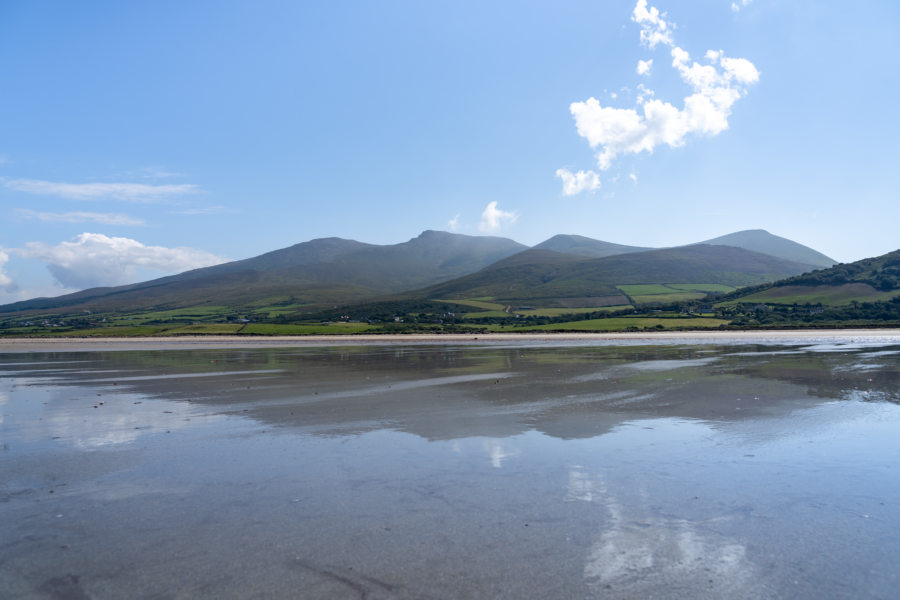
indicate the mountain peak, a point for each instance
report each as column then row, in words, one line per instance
column 760, row 240
column 580, row 245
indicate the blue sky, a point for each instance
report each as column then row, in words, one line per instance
column 141, row 139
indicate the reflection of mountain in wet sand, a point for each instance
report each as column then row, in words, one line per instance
column 448, row 393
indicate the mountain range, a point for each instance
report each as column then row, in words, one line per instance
column 435, row 264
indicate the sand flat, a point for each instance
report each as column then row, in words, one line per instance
column 78, row 344
column 547, row 468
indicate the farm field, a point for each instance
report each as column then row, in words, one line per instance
column 668, row 298
column 558, row 312
column 671, row 292
column 304, row 329
column 620, row 324
column 833, row 295
column 543, row 312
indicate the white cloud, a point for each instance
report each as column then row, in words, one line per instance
column 632, row 177
column 6, row 284
column 644, row 66
column 94, row 259
column 654, row 29
column 492, row 219
column 643, row 92
column 716, row 86
column 79, row 217
column 575, row 183
column 132, row 192
column 453, row 223
column 739, row 4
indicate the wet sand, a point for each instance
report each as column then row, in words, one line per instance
column 542, row 468
column 76, row 344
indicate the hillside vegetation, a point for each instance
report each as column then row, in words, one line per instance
column 870, row 279
column 441, row 281
column 544, row 278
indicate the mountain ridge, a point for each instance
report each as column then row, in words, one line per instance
column 335, row 270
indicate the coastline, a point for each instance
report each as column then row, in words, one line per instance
column 76, row 344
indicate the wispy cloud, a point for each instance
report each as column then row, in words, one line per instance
column 79, row 217
column 715, row 87
column 157, row 173
column 737, row 5
column 493, row 219
column 94, row 259
column 654, row 28
column 129, row 192
column 575, row 183
column 453, row 224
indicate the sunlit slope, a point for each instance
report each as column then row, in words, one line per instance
column 869, row 280
column 542, row 275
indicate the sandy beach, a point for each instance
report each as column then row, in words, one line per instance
column 77, row 344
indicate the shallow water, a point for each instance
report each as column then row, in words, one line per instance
column 438, row 471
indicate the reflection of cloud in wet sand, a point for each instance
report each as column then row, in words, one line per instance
column 116, row 421
column 498, row 453
column 640, row 555
column 580, row 485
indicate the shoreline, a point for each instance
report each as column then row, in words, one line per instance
column 77, row 344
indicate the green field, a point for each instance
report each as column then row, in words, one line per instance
column 645, row 289
column 668, row 298
column 310, row 329
column 198, row 313
column 829, row 295
column 111, row 331
column 658, row 293
column 702, row 287
column 206, row 329
column 621, row 324
column 558, row 312
column 543, row 312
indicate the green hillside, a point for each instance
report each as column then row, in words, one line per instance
column 441, row 281
column 319, row 272
column 864, row 293
column 869, row 280
column 543, row 278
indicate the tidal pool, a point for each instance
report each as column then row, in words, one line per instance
column 511, row 470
